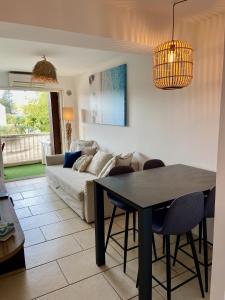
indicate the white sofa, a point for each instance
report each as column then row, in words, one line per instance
column 75, row 188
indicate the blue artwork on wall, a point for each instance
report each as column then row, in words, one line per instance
column 108, row 97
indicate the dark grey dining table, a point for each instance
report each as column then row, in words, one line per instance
column 143, row 190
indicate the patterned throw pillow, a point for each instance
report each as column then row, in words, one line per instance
column 82, row 163
column 124, row 160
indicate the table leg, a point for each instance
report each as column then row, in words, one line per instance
column 99, row 224
column 145, row 253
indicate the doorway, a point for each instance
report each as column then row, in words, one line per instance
column 30, row 129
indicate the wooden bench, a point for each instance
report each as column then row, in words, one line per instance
column 12, row 250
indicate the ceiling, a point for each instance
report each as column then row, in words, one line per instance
column 18, row 55
column 162, row 7
column 25, row 46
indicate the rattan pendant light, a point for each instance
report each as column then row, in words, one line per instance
column 44, row 71
column 173, row 63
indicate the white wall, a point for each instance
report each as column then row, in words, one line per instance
column 218, row 270
column 176, row 126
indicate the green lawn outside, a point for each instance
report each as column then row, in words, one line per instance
column 24, row 171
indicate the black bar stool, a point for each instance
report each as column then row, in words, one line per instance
column 209, row 212
column 153, row 164
column 180, row 218
column 127, row 209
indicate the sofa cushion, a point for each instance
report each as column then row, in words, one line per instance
column 70, row 158
column 124, row 160
column 82, row 163
column 78, row 144
column 89, row 150
column 70, row 181
column 98, row 162
column 108, row 167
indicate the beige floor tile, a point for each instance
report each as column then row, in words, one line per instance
column 10, row 184
column 33, row 237
column 124, row 284
column 30, row 194
column 47, row 207
column 50, row 250
column 16, row 196
column 70, row 226
column 158, row 270
column 25, row 182
column 23, row 213
column 36, row 200
column 66, row 213
column 29, row 202
column 120, row 220
column 155, row 296
column 82, row 265
column 94, row 288
column 39, row 220
column 86, row 238
column 51, row 197
column 44, row 190
column 32, row 283
column 200, row 255
column 42, row 184
column 131, row 254
column 188, row 291
column 20, row 189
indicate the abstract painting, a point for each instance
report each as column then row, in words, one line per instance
column 108, row 97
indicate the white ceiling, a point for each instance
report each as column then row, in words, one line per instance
column 18, row 55
column 163, row 7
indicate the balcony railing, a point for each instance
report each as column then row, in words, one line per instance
column 23, row 148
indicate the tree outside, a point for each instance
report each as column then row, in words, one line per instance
column 23, row 112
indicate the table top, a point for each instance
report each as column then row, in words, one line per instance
column 147, row 188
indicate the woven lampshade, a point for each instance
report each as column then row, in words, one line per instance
column 173, row 65
column 44, row 71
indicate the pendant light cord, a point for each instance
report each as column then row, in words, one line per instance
column 174, row 4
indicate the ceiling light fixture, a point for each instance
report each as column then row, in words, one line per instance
column 173, row 62
column 44, row 71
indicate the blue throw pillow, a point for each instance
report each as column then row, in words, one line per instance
column 70, row 158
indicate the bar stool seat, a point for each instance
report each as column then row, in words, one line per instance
column 114, row 200
column 158, row 218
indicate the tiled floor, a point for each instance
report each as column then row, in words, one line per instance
column 60, row 255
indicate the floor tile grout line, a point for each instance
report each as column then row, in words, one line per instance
column 70, row 284
column 47, row 202
column 112, row 286
column 77, row 241
column 63, row 257
column 43, row 235
column 62, row 272
column 46, row 240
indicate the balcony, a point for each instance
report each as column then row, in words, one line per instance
column 24, row 148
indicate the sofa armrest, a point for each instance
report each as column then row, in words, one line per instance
column 57, row 159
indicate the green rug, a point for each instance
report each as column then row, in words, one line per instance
column 24, row 171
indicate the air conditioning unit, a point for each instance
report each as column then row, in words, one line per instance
column 23, row 80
